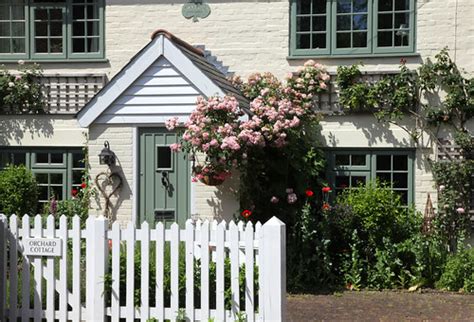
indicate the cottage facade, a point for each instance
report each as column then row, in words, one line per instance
column 104, row 47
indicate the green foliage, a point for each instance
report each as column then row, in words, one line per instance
column 182, row 279
column 18, row 191
column 454, row 185
column 21, row 92
column 459, row 272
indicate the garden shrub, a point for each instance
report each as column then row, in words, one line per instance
column 182, row 279
column 459, row 272
column 18, row 191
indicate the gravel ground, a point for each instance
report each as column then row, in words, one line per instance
column 382, row 306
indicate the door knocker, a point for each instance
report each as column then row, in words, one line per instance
column 113, row 180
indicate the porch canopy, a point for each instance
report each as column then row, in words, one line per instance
column 162, row 80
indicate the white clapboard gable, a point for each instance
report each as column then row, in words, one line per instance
column 161, row 92
column 161, row 81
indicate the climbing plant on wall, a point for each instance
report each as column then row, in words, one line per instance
column 437, row 94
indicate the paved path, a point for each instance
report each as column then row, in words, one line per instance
column 381, row 306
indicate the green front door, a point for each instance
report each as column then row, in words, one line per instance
column 164, row 178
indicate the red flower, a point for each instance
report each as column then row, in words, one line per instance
column 326, row 206
column 246, row 213
column 326, row 189
column 74, row 192
column 110, row 244
column 309, row 193
column 84, row 185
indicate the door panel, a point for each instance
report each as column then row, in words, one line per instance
column 164, row 178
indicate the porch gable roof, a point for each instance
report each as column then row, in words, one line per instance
column 188, row 61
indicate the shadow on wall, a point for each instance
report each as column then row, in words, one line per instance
column 344, row 131
column 224, row 202
column 382, row 63
column 13, row 129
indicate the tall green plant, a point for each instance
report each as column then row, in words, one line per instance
column 18, row 191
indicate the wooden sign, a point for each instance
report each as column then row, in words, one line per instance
column 42, row 246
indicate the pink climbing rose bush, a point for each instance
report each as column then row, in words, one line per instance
column 278, row 110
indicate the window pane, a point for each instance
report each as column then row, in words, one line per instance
column 402, row 20
column 400, row 162
column 4, row 29
column 92, row 28
column 41, row 14
column 19, row 158
column 56, row 158
column 358, row 159
column 343, row 40
column 319, row 41
column 41, row 45
column 403, row 196
column 43, row 193
column 400, row 180
column 57, row 192
column 344, row 22
column 344, row 6
column 401, row 38
column 319, row 23
column 385, row 21
column 303, row 7
column 360, row 6
column 92, row 12
column 18, row 29
column 56, row 29
column 78, row 12
column 18, row 13
column 384, row 39
column 384, row 177
column 4, row 12
column 319, row 6
column 359, row 39
column 384, row 162
column 77, row 176
column 56, row 178
column 342, row 182
column 303, row 41
column 79, row 28
column 164, row 157
column 357, row 181
column 41, row 28
column 42, row 157
column 5, row 45
column 359, row 22
column 402, row 4
column 56, row 14
column 342, row 159
column 78, row 45
column 41, row 178
column 303, row 24
column 385, row 5
column 78, row 160
column 56, row 45
column 18, row 45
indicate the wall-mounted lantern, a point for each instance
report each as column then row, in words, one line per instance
column 106, row 156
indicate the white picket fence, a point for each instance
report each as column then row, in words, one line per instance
column 55, row 283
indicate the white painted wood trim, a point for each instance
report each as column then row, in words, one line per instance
column 135, row 174
column 189, row 70
column 121, row 82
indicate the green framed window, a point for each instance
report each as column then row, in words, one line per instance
column 57, row 171
column 351, row 27
column 51, row 29
column 351, row 168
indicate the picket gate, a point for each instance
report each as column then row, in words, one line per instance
column 72, row 287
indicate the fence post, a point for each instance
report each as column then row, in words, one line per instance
column 274, row 263
column 96, row 257
column 3, row 264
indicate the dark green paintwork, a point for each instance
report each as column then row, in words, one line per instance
column 153, row 195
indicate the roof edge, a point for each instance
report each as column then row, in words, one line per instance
column 177, row 40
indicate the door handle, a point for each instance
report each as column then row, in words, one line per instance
column 165, row 181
